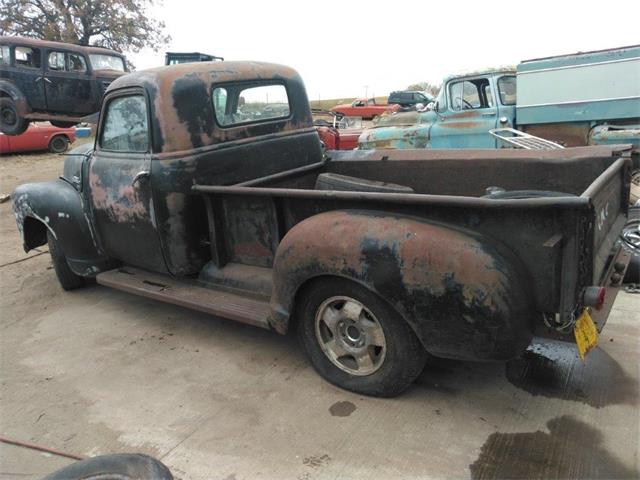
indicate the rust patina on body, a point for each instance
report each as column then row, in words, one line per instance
column 232, row 209
column 475, row 294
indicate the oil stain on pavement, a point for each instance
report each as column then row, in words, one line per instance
column 571, row 449
column 342, row 409
column 554, row 370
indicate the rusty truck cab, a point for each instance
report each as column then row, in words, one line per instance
column 163, row 130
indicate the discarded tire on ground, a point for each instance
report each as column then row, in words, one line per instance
column 124, row 466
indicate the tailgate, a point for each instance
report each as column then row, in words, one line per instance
column 609, row 195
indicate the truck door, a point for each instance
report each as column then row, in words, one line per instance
column 120, row 183
column 471, row 111
column 68, row 84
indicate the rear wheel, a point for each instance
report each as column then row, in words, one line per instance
column 11, row 123
column 58, row 144
column 68, row 280
column 356, row 341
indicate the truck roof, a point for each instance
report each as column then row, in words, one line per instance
column 487, row 71
column 181, row 106
column 35, row 43
column 208, row 73
column 579, row 58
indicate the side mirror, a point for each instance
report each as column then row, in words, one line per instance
column 432, row 106
column 420, row 107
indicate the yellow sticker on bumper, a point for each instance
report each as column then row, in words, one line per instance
column 585, row 333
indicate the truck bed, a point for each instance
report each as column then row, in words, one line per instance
column 561, row 243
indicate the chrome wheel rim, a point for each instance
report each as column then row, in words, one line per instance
column 350, row 335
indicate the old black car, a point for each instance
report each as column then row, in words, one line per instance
column 198, row 194
column 53, row 81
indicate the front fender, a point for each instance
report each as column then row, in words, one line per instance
column 394, row 137
column 461, row 293
column 58, row 207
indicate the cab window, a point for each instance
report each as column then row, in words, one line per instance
column 5, row 55
column 27, row 57
column 56, row 61
column 125, row 125
column 235, row 105
column 76, row 63
column 507, row 89
column 66, row 62
column 470, row 94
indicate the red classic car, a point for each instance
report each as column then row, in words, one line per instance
column 365, row 108
column 38, row 137
column 336, row 131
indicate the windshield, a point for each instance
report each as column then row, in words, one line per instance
column 106, row 62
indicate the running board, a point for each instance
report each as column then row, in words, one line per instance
column 184, row 293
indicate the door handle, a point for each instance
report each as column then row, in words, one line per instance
column 139, row 176
column 488, row 114
column 43, row 78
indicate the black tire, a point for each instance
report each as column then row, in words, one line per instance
column 405, row 356
column 59, row 124
column 11, row 123
column 68, row 280
column 58, row 144
column 114, row 467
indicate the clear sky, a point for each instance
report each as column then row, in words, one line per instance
column 344, row 48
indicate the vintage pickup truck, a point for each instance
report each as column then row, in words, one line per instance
column 365, row 108
column 375, row 257
column 581, row 99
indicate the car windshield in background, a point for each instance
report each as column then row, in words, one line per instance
column 106, row 62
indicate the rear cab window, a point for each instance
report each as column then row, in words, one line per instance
column 507, row 90
column 238, row 105
column 125, row 127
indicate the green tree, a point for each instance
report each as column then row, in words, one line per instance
column 122, row 25
column 425, row 87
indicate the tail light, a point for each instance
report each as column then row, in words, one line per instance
column 594, row 297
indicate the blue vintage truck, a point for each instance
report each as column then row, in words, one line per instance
column 573, row 100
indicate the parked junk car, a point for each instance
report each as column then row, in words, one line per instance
column 173, row 58
column 57, row 82
column 580, row 99
column 410, row 98
column 364, row 108
column 377, row 257
column 336, row 131
column 38, row 137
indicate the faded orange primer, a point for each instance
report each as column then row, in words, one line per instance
column 122, row 205
column 427, row 254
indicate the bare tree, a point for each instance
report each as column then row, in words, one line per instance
column 122, row 25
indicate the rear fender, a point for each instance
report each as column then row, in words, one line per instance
column 463, row 295
column 57, row 206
